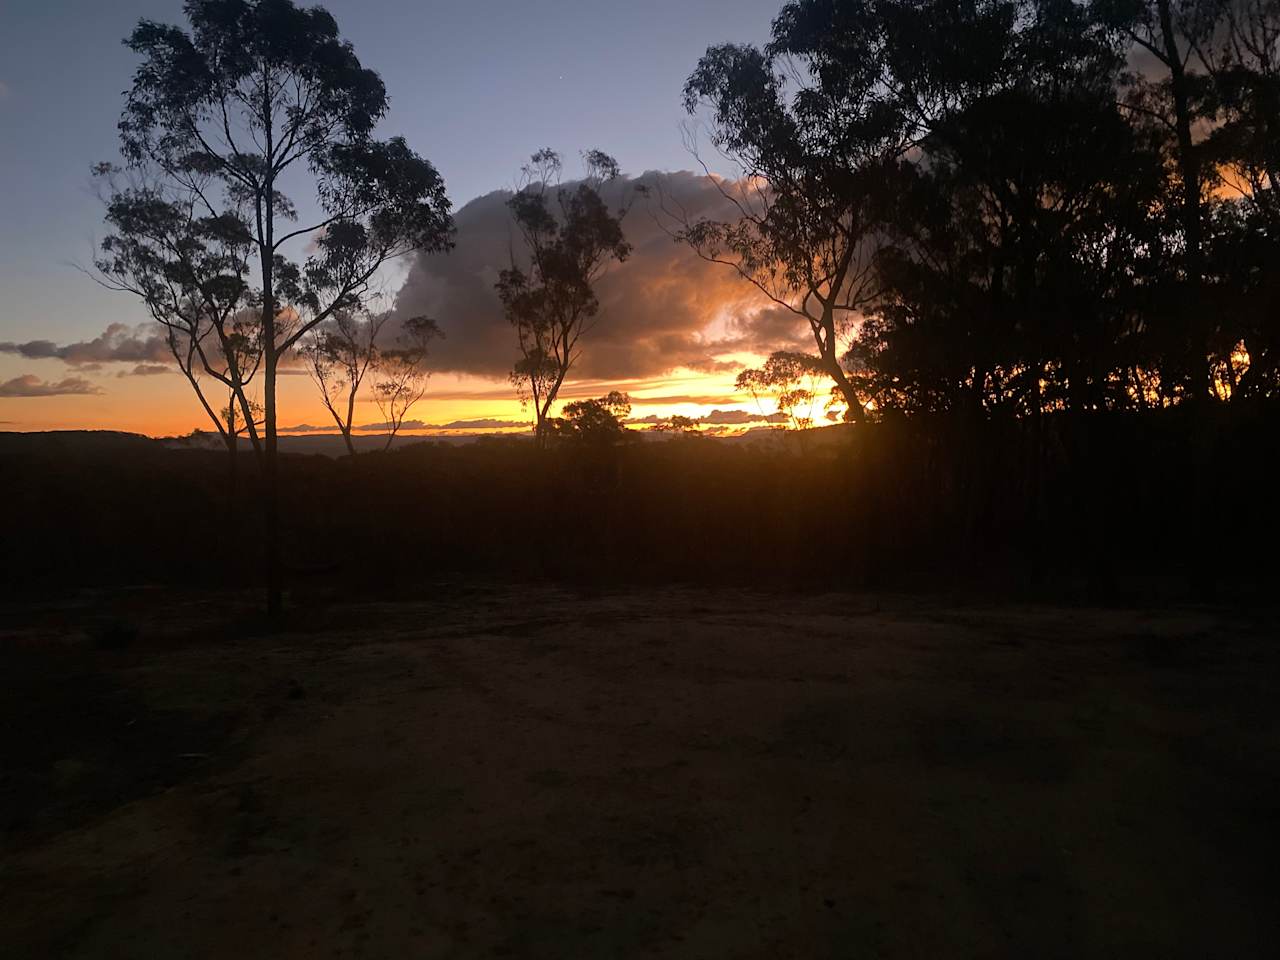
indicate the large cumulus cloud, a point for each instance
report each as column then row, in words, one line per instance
column 664, row 308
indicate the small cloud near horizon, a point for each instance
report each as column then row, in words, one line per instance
column 721, row 418
column 29, row 385
column 482, row 423
column 145, row 370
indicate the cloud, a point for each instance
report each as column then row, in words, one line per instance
column 29, row 385
column 726, row 417
column 716, row 366
column 661, row 310
column 483, row 423
column 4, row 90
column 721, row 418
column 145, row 370
column 306, row 428
column 119, row 343
column 701, row 399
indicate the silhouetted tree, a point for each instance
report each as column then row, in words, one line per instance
column 597, row 422
column 1243, row 59
column 1169, row 91
column 677, row 425
column 402, row 374
column 257, row 94
column 818, row 122
column 802, row 121
column 189, row 271
column 339, row 354
column 793, row 381
column 570, row 236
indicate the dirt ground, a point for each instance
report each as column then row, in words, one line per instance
column 532, row 773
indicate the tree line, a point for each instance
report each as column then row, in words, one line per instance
column 997, row 209
column 1007, row 207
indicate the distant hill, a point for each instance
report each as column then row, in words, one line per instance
column 100, row 442
column 74, row 441
column 322, row 444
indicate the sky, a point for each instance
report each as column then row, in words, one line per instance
column 475, row 87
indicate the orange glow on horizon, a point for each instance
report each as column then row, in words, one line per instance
column 164, row 404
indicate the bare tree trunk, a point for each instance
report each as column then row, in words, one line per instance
column 271, row 474
column 831, row 363
column 271, row 477
column 1188, row 170
column 233, row 484
column 544, row 408
column 351, row 418
column 845, row 386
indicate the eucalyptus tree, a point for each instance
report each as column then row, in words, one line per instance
column 599, row 421
column 1170, row 91
column 571, row 236
column 255, row 98
column 339, row 356
column 793, row 380
column 817, row 123
column 1243, row 59
column 1017, row 259
column 401, row 373
column 188, row 269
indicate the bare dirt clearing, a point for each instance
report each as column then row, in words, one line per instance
column 530, row 773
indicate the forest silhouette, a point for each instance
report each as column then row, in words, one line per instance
column 1031, row 241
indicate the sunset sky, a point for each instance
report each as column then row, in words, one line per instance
column 475, row 87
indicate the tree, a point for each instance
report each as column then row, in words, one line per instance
column 339, row 355
column 1243, row 60
column 234, row 426
column 402, row 374
column 1174, row 99
column 258, row 95
column 570, row 236
column 817, row 122
column 677, row 425
column 189, row 270
column 1012, row 282
column 596, row 422
column 792, row 379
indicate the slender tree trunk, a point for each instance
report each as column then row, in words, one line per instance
column 271, row 474
column 831, row 363
column 539, row 424
column 351, row 416
column 233, row 470
column 1188, row 170
column 544, row 409
column 850, row 395
column 233, row 484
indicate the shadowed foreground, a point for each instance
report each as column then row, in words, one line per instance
column 535, row 773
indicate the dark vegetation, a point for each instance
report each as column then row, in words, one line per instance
column 1033, row 242
column 1108, row 505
